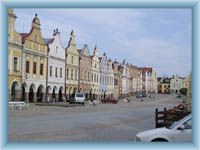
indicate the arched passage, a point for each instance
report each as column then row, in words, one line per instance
column 24, row 92
column 40, row 94
column 32, row 96
column 15, row 92
column 54, row 94
column 60, row 94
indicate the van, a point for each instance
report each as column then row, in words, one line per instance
column 79, row 98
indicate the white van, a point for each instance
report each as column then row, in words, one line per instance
column 79, row 98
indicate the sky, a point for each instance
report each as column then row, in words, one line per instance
column 159, row 38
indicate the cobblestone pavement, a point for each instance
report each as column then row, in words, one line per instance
column 104, row 122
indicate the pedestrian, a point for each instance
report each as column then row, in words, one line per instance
column 141, row 100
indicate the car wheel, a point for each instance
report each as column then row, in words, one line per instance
column 159, row 140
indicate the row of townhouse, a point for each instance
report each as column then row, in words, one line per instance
column 173, row 84
column 41, row 69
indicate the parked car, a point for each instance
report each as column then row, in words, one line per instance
column 138, row 95
column 144, row 94
column 79, row 98
column 109, row 100
column 178, row 131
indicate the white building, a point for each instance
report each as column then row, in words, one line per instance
column 110, row 79
column 176, row 83
column 126, row 84
column 104, row 76
column 95, row 71
column 56, row 68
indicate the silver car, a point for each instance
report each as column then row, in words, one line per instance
column 178, row 131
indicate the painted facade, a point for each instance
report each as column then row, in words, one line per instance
column 110, row 85
column 149, row 80
column 126, row 78
column 72, row 67
column 176, row 83
column 56, row 68
column 104, row 76
column 136, row 78
column 117, row 68
column 95, row 71
column 14, row 60
column 85, row 71
column 164, row 85
column 34, row 64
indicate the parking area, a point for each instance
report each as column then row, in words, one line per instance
column 103, row 122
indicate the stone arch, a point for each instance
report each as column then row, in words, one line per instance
column 54, row 92
column 61, row 94
column 15, row 91
column 24, row 92
column 32, row 93
column 40, row 93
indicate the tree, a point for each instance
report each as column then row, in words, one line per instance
column 183, row 91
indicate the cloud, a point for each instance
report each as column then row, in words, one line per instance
column 160, row 38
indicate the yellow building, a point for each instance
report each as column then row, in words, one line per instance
column 14, row 60
column 164, row 85
column 34, row 64
column 72, row 67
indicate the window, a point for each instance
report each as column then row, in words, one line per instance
column 27, row 66
column 97, row 78
column 34, row 67
column 72, row 60
column 67, row 73
column 15, row 63
column 88, row 76
column 72, row 74
column 76, row 75
column 61, row 72
column 188, row 124
column 56, row 72
column 116, row 82
column 51, row 71
column 95, row 65
column 41, row 69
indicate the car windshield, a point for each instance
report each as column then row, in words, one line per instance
column 79, row 95
column 177, row 122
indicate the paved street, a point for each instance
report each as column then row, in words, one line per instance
column 104, row 122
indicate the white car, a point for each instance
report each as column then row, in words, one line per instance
column 178, row 131
column 79, row 98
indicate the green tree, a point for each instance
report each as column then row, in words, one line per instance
column 183, row 91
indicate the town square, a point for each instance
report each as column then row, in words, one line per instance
column 64, row 89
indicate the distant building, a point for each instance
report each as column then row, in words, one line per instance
column 110, row 79
column 177, row 83
column 85, row 71
column 104, row 68
column 149, row 80
column 95, row 90
column 164, row 85
column 126, row 80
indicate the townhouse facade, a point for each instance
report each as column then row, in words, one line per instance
column 41, row 70
column 104, row 76
column 136, row 78
column 126, row 78
column 72, row 67
column 149, row 80
column 85, row 71
column 164, row 85
column 34, row 64
column 56, row 68
column 95, row 71
column 110, row 79
column 176, row 83
column 14, row 59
